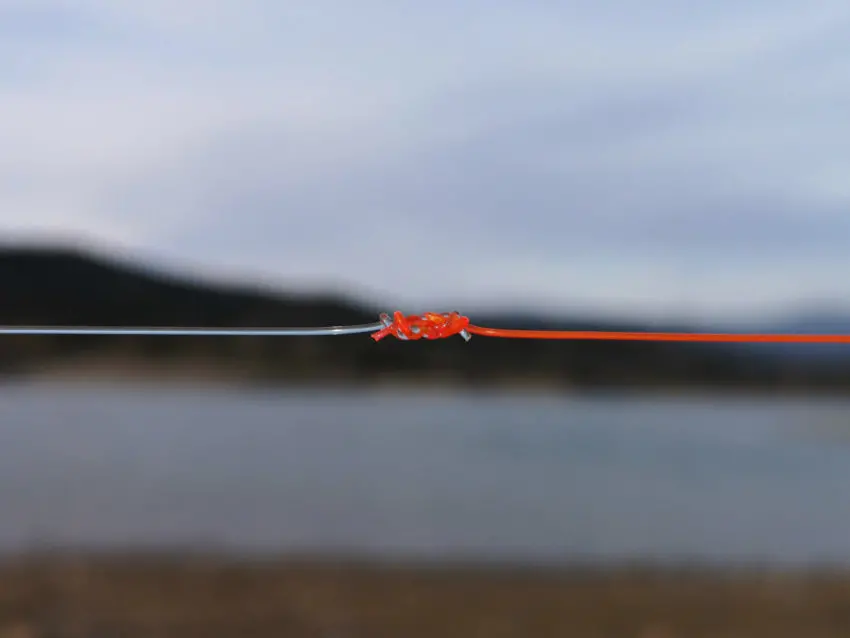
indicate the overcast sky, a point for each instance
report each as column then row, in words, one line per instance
column 654, row 157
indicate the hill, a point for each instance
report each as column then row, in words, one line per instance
column 58, row 286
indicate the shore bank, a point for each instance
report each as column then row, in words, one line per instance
column 146, row 596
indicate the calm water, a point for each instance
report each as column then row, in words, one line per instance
column 517, row 478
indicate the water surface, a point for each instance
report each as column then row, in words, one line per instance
column 525, row 478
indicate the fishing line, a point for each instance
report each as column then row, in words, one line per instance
column 429, row 325
column 190, row 332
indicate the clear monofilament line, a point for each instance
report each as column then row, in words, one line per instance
column 170, row 331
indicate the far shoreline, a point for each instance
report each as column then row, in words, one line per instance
column 97, row 371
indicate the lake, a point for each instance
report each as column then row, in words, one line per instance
column 485, row 476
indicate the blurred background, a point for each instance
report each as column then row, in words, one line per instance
column 567, row 165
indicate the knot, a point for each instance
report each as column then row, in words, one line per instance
column 430, row 325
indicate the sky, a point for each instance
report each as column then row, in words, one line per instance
column 656, row 158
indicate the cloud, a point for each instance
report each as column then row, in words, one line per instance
column 624, row 157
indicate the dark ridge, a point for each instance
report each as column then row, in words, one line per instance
column 69, row 286
column 62, row 286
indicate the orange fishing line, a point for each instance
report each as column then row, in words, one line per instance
column 441, row 325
